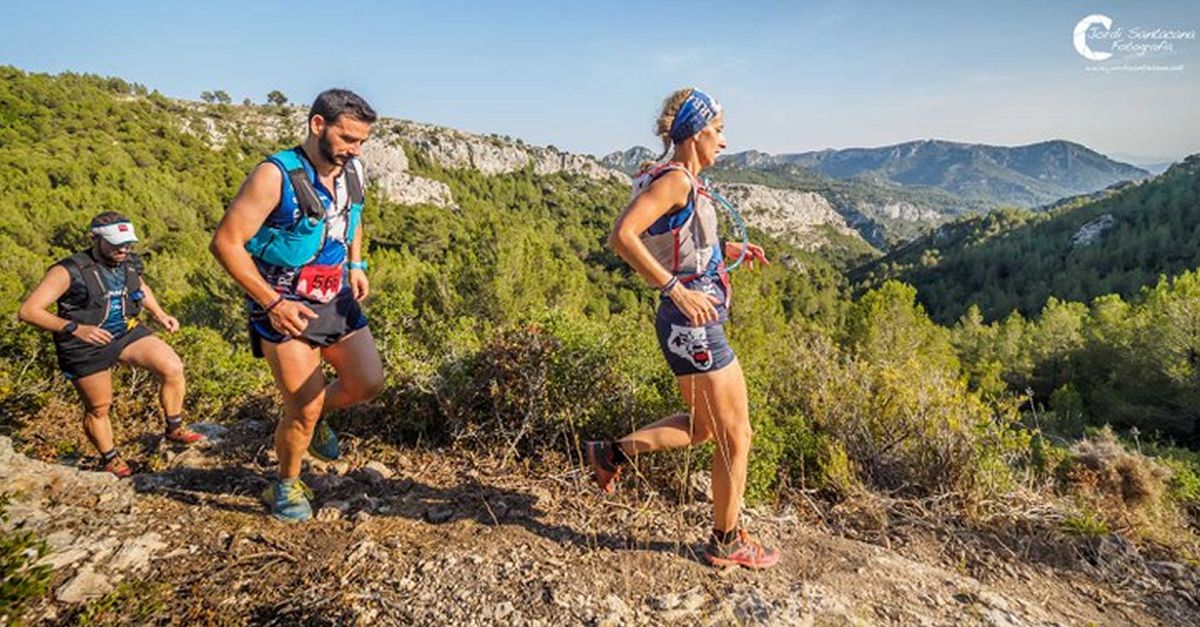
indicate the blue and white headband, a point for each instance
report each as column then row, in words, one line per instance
column 694, row 114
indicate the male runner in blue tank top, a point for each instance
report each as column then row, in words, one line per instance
column 300, row 314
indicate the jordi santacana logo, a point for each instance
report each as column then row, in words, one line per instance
column 1081, row 32
column 1096, row 39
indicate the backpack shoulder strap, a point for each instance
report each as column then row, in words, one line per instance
column 296, row 173
column 288, row 159
column 655, row 172
column 354, row 182
column 133, row 272
column 660, row 169
column 79, row 268
column 82, row 260
column 74, row 271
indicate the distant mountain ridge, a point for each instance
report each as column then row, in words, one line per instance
column 628, row 161
column 1024, row 176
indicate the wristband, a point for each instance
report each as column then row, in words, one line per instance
column 665, row 290
column 70, row 328
column 274, row 304
column 358, row 265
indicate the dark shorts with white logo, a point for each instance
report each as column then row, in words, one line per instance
column 689, row 349
column 335, row 320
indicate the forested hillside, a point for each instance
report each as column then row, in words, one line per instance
column 513, row 249
column 1015, row 260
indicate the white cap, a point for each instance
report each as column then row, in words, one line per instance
column 116, row 234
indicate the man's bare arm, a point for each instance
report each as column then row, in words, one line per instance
column 34, row 310
column 254, row 202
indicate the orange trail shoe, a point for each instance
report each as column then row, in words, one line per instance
column 744, row 551
column 118, row 467
column 604, row 467
column 183, row 435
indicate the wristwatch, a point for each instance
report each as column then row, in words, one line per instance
column 358, row 265
column 70, row 328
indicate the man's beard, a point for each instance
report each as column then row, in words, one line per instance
column 326, row 149
column 109, row 257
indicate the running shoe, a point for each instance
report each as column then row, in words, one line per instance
column 288, row 500
column 324, row 444
column 604, row 470
column 743, row 551
column 183, row 435
column 118, row 467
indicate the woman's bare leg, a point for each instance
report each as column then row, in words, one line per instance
column 718, row 409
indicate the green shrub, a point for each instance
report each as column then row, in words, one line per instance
column 1183, row 487
column 220, row 374
column 546, row 384
column 891, row 407
column 1067, row 417
column 1086, row 522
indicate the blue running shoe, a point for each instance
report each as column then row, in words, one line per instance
column 324, row 445
column 288, row 500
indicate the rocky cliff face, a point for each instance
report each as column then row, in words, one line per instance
column 385, row 156
column 491, row 155
column 387, row 169
column 794, row 215
column 907, row 211
column 1091, row 232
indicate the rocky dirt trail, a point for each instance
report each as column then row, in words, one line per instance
column 437, row 538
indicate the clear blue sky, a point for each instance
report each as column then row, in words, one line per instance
column 588, row 76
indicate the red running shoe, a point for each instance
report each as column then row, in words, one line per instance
column 744, row 551
column 118, row 467
column 604, row 469
column 183, row 435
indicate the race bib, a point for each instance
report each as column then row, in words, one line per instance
column 319, row 283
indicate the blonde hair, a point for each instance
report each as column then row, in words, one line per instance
column 666, row 116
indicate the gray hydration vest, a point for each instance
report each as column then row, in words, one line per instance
column 684, row 242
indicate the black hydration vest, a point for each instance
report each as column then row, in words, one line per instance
column 86, row 300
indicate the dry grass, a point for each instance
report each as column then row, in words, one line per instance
column 1103, row 466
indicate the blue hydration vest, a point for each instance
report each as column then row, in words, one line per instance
column 295, row 233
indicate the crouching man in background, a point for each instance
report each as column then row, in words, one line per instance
column 99, row 293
